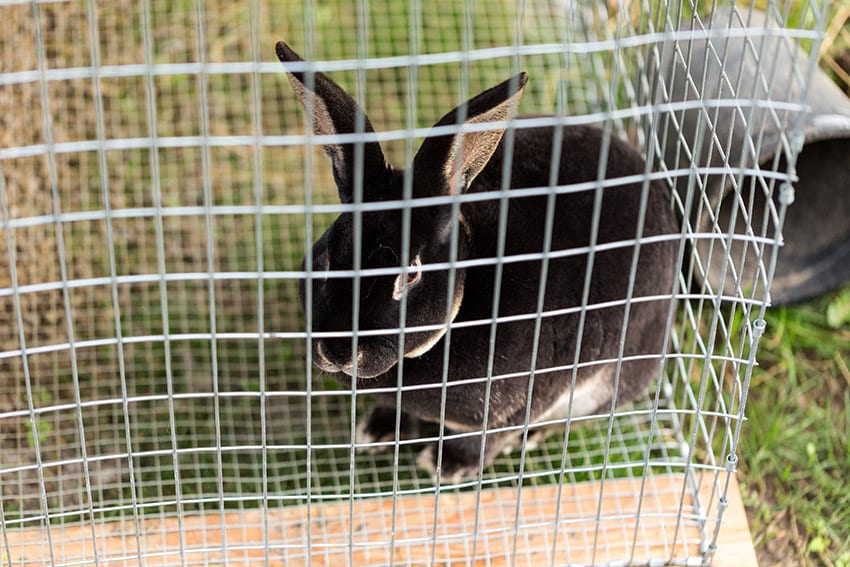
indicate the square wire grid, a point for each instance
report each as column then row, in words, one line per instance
column 157, row 199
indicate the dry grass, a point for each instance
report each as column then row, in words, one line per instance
column 129, row 182
column 835, row 49
column 84, row 245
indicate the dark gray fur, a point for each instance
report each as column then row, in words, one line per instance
column 477, row 236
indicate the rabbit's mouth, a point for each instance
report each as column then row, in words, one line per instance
column 377, row 355
column 366, row 366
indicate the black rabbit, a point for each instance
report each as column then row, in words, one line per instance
column 451, row 162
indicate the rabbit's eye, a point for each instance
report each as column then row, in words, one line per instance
column 414, row 274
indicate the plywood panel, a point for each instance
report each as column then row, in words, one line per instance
column 596, row 523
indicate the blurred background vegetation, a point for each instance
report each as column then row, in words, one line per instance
column 795, row 452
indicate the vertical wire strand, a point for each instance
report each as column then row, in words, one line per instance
column 454, row 238
column 6, row 549
column 53, row 179
column 641, row 218
column 501, row 243
column 103, row 168
column 518, row 41
column 358, row 199
column 467, row 47
column 257, row 129
column 549, row 225
column 22, row 342
column 503, row 198
column 654, row 428
column 156, row 189
column 209, row 228
column 463, row 89
column 407, row 196
column 569, row 37
column 548, row 229
column 309, row 79
column 4, row 530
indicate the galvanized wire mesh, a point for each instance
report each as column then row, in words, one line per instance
column 158, row 192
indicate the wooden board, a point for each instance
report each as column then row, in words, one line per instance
column 734, row 544
column 596, row 524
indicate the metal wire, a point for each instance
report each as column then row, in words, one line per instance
column 159, row 190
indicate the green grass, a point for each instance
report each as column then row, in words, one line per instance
column 795, row 451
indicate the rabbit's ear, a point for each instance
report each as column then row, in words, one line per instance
column 334, row 112
column 456, row 158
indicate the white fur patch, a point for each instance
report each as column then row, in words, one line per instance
column 425, row 461
column 590, row 393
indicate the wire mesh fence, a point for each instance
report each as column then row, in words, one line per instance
column 160, row 187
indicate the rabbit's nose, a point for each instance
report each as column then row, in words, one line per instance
column 334, row 362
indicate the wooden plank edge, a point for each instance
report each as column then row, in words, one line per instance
column 734, row 543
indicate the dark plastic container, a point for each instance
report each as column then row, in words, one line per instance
column 747, row 79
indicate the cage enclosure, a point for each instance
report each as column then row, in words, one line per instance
column 161, row 185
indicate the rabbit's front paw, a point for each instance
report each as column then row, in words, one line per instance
column 377, row 430
column 535, row 439
column 451, row 471
column 461, row 459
